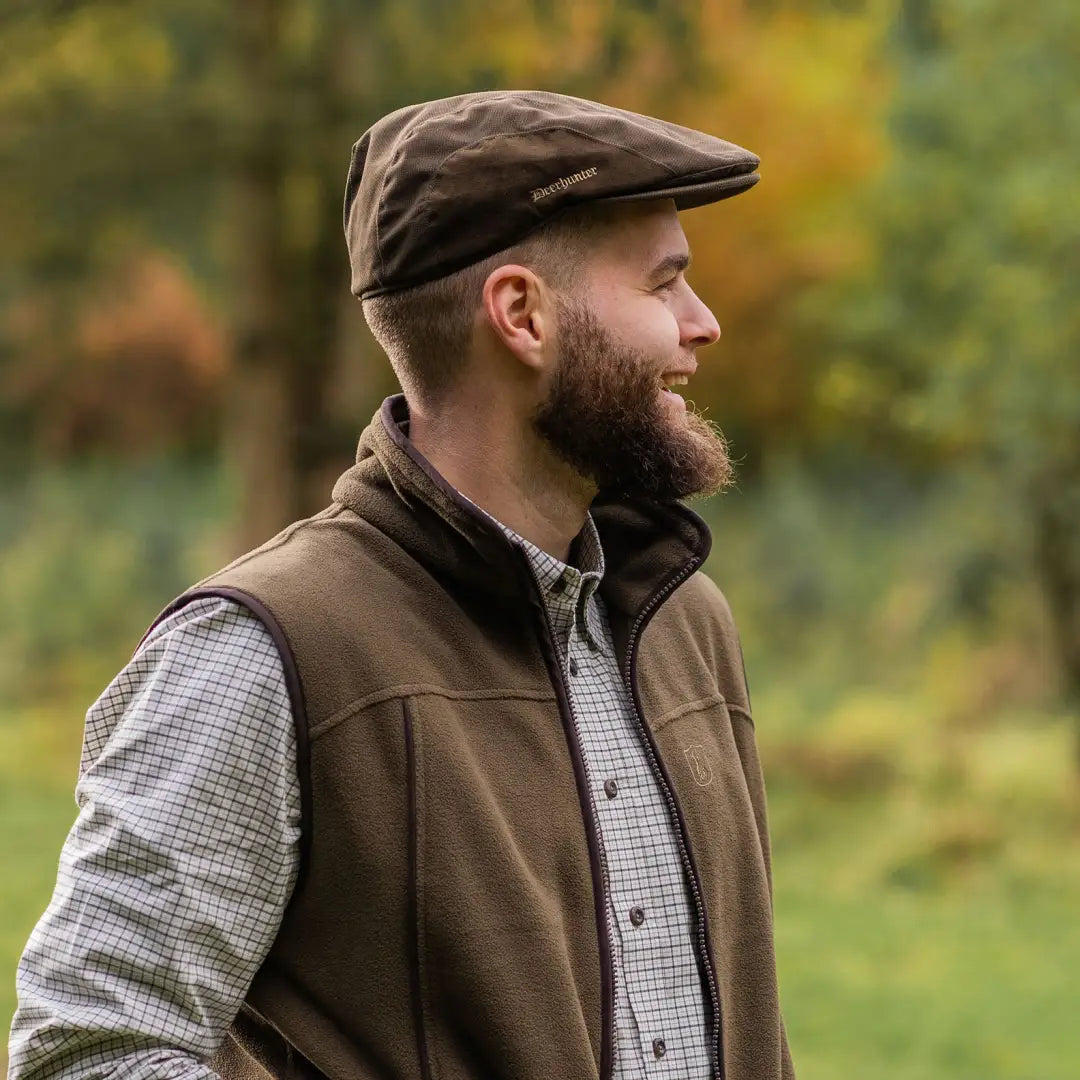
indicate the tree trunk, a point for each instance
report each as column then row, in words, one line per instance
column 324, row 446
column 1057, row 556
column 291, row 266
column 259, row 434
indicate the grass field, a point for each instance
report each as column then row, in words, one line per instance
column 891, row 986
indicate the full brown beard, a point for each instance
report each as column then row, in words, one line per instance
column 604, row 417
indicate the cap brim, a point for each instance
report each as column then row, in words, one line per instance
column 687, row 196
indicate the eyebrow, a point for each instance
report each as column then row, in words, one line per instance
column 670, row 264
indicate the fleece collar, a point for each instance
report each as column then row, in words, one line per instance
column 647, row 545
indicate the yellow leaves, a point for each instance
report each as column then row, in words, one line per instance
column 509, row 41
column 806, row 93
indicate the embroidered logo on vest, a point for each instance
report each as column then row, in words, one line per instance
column 699, row 764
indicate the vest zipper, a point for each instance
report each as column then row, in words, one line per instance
column 673, row 808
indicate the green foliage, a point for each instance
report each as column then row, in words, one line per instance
column 88, row 556
column 958, row 345
column 856, row 573
column 923, row 799
column 975, row 321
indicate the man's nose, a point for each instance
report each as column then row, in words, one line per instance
column 700, row 326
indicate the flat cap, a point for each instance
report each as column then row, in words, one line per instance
column 435, row 187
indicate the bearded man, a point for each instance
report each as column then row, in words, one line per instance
column 457, row 778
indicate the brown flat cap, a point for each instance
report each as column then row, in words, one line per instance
column 435, row 187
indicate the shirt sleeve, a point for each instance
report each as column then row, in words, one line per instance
column 175, row 876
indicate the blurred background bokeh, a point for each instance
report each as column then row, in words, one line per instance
column 183, row 370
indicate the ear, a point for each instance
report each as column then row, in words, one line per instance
column 519, row 308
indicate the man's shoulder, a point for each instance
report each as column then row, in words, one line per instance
column 306, row 555
column 324, row 588
column 304, row 581
column 702, row 602
column 700, row 609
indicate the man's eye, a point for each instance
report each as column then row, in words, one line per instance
column 666, row 285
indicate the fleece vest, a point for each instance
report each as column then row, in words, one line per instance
column 448, row 921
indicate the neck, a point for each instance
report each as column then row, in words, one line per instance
column 539, row 498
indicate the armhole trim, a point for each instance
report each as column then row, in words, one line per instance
column 296, row 701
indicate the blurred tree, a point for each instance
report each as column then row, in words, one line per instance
column 140, row 373
column 174, row 116
column 802, row 84
column 964, row 336
column 224, row 130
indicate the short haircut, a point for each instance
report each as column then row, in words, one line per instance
column 425, row 331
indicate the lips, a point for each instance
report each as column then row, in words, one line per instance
column 676, row 400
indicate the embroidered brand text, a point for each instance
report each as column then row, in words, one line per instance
column 561, row 184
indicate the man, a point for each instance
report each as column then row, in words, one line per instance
column 457, row 778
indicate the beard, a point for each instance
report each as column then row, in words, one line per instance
column 606, row 418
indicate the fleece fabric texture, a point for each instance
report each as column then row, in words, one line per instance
column 448, row 922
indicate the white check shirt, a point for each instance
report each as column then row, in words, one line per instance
column 174, row 878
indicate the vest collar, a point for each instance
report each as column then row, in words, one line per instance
column 646, row 544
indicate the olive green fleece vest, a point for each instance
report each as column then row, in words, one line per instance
column 448, row 922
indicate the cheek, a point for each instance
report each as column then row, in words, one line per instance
column 660, row 330
column 647, row 324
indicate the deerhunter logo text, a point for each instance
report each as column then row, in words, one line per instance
column 561, row 184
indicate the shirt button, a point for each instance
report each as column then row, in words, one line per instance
column 637, row 916
column 573, row 666
column 658, row 1047
column 611, row 789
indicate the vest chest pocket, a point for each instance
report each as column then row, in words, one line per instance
column 710, row 756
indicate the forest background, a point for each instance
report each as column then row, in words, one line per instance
column 183, row 370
